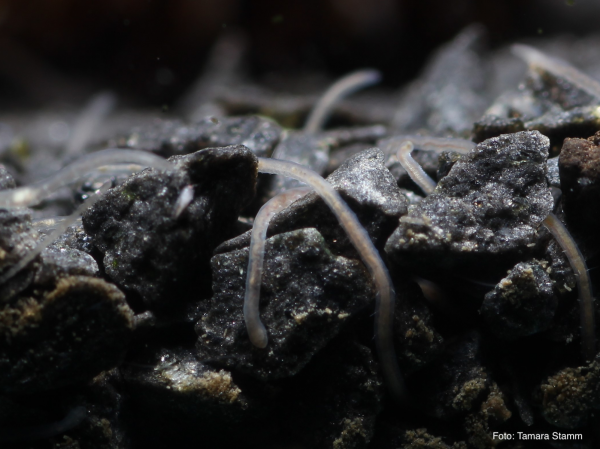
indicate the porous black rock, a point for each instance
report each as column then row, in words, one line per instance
column 146, row 249
column 89, row 416
column 546, row 102
column 490, row 126
column 59, row 262
column 308, row 294
column 580, row 122
column 489, row 206
column 522, row 303
column 173, row 137
column 64, row 337
column 552, row 90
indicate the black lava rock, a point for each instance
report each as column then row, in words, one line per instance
column 448, row 96
column 146, row 249
column 558, row 125
column 490, row 205
column 417, row 342
column 180, row 398
column 308, row 294
column 522, row 303
column 59, row 262
column 492, row 126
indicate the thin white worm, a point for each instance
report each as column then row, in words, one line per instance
column 339, row 90
column 92, row 115
column 34, row 194
column 414, row 170
column 255, row 327
column 537, row 59
column 566, row 242
column 384, row 308
column 437, row 144
column 587, row 310
column 59, row 229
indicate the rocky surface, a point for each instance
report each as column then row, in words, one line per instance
column 522, row 303
column 308, row 294
column 488, row 206
column 64, row 337
column 128, row 331
column 149, row 250
column 174, row 137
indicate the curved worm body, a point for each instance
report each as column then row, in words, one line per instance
column 584, row 284
column 414, row 170
column 537, row 59
column 255, row 327
column 34, row 194
column 358, row 236
column 340, row 89
column 562, row 236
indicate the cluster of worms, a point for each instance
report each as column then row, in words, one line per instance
column 402, row 147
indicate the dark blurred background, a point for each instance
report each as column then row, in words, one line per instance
column 150, row 51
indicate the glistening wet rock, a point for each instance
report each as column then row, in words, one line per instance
column 161, row 257
column 488, row 207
